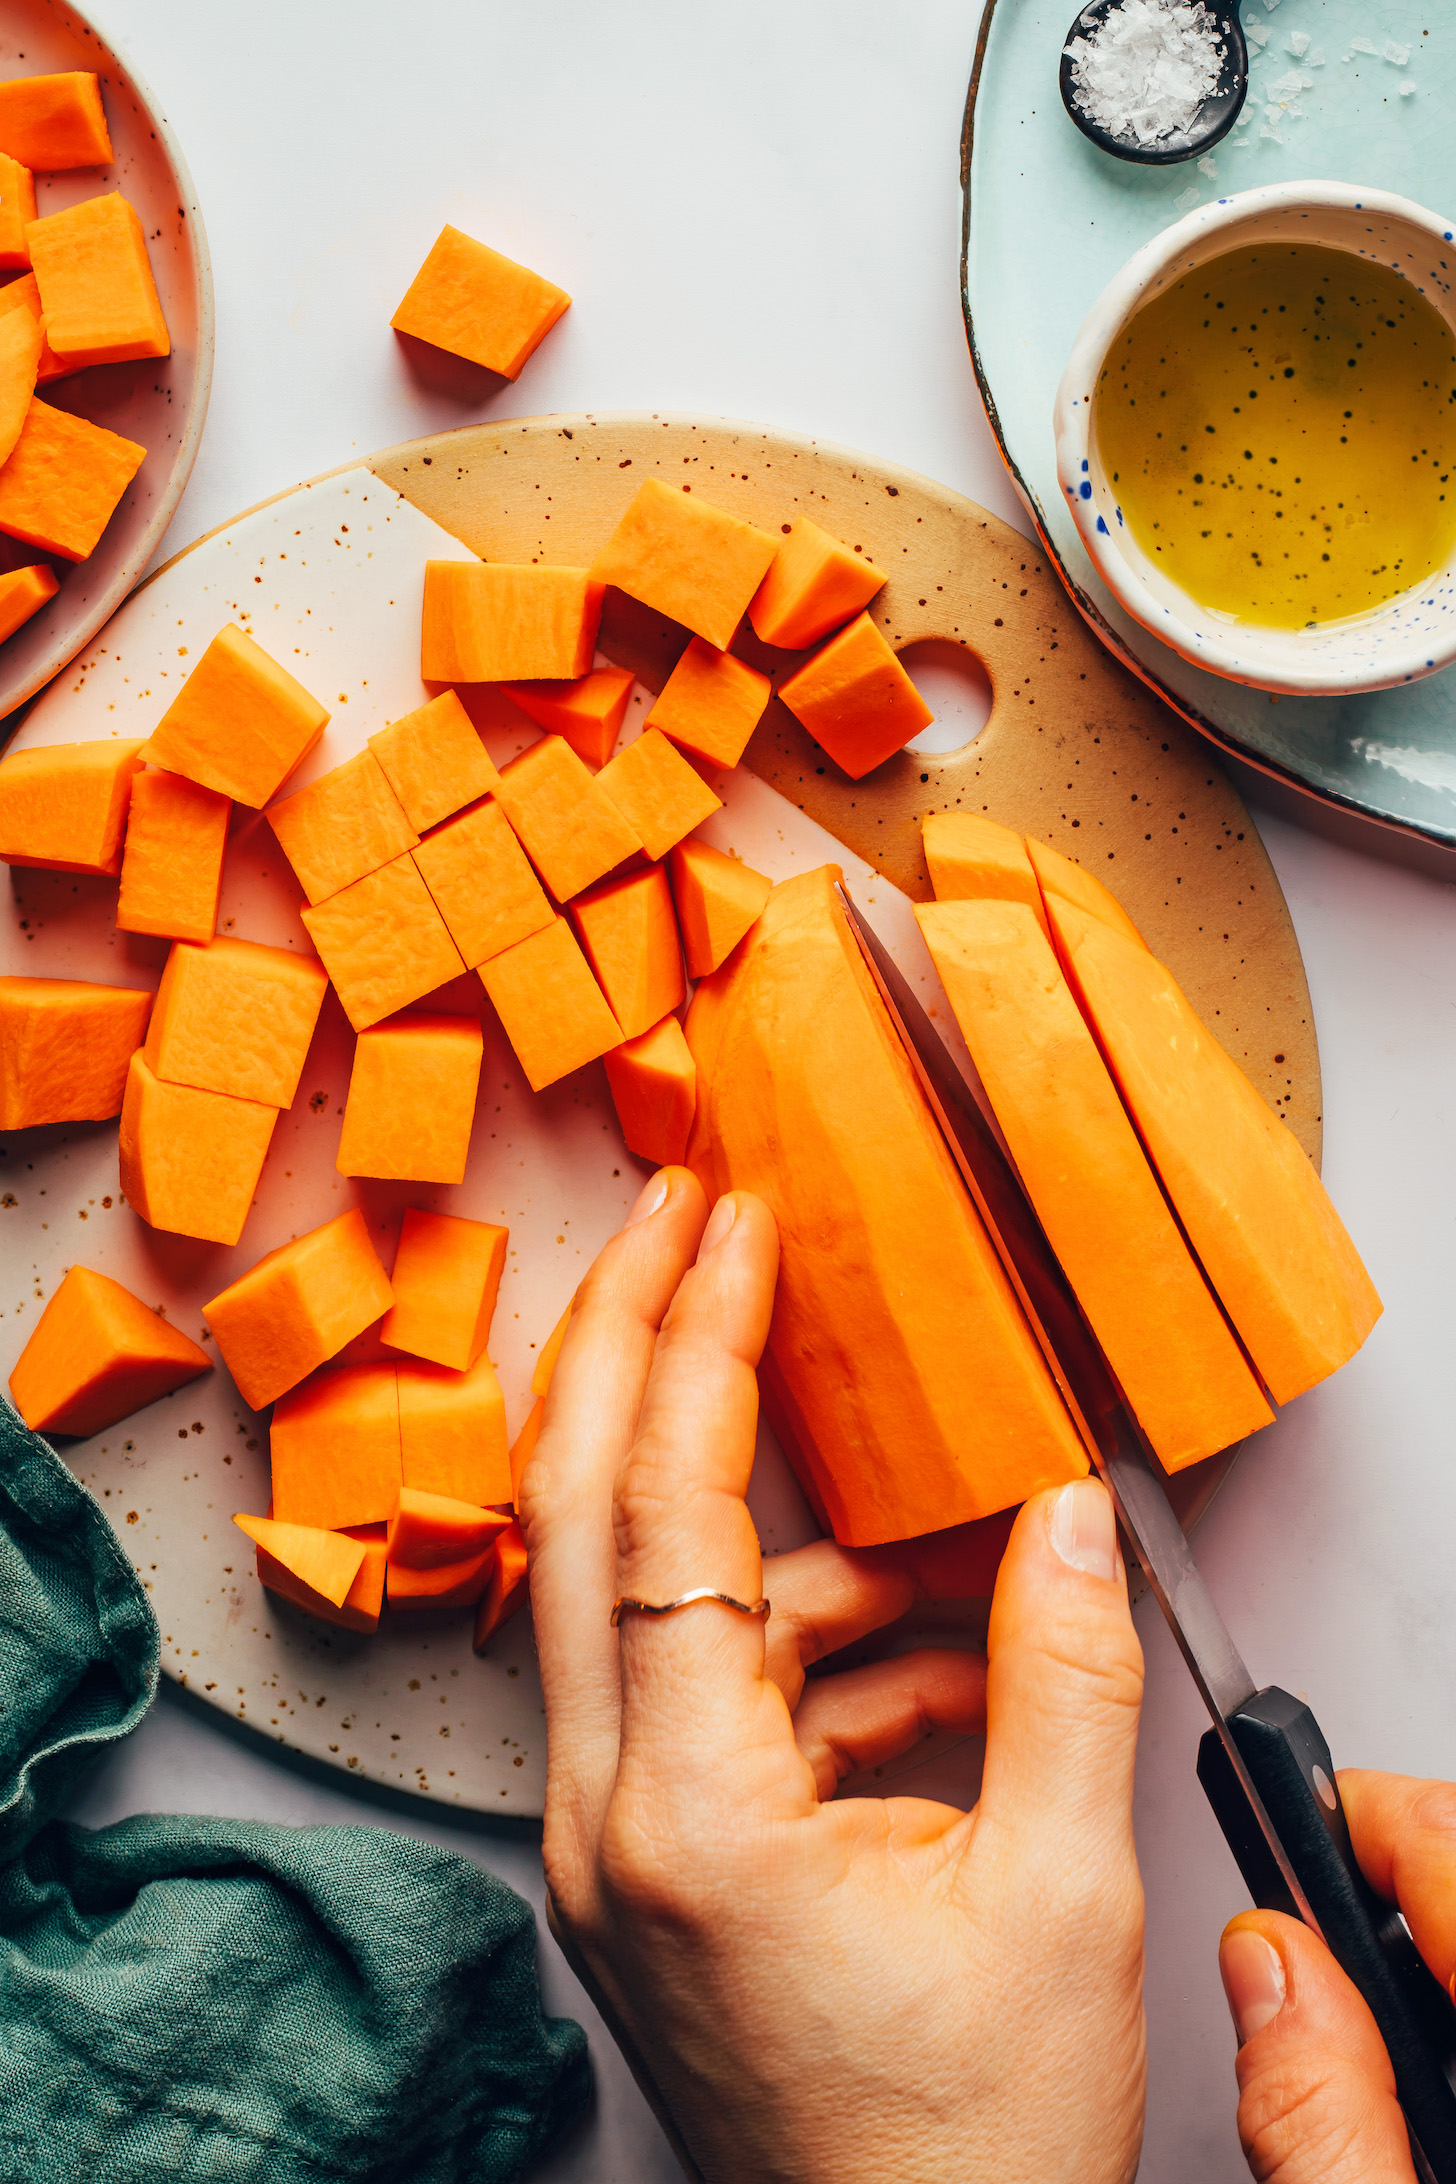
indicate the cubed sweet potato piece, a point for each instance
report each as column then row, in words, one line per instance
column 65, row 1046
column 95, row 279
column 470, row 300
column 452, row 1431
column 499, row 621
column 411, row 1101
column 588, row 713
column 711, row 703
column 64, row 805
column 236, row 1017
column 298, row 1306
column 658, row 793
column 55, row 122
column 434, row 761
column 856, row 700
column 346, row 824
column 240, row 723
column 654, row 1090
column 572, row 832
column 23, row 592
column 482, row 883
column 17, row 210
column 429, row 1531
column 550, row 1006
column 446, row 1275
column 21, row 342
column 171, row 870
column 815, row 583
column 334, row 1445
column 323, row 1562
column 63, row 480
column 629, row 932
column 96, row 1355
column 507, row 1590
column 693, row 562
column 190, row 1161
column 717, row 900
column 383, row 942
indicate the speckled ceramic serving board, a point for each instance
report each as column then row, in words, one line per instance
column 1050, row 219
column 329, row 578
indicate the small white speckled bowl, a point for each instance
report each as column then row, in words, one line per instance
column 1414, row 633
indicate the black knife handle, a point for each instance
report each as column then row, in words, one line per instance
column 1290, row 1766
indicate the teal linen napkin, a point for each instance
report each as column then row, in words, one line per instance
column 199, row 1999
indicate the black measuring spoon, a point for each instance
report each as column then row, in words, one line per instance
column 1215, row 117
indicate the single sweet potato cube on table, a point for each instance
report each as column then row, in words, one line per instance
column 55, row 122
column 654, row 1090
column 572, row 832
column 341, row 827
column 64, row 805
column 550, row 1006
column 815, row 583
column 452, row 1431
column 96, row 288
column 65, row 1046
column 695, row 563
column 856, row 700
column 588, row 713
column 711, row 704
column 507, row 1590
column 190, row 1161
column 335, row 1448
column 468, row 299
column 361, row 1606
column 23, row 592
column 97, row 1354
column 482, row 883
column 171, row 870
column 383, row 942
column 239, row 724
column 24, row 295
column 717, row 899
column 498, row 621
column 434, row 761
column 323, row 1562
column 17, row 210
column 446, row 1276
column 235, row 1017
column 298, row 1306
column 63, row 480
column 411, row 1103
column 657, row 792
column 629, row 932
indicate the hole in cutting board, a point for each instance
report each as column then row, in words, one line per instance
column 957, row 689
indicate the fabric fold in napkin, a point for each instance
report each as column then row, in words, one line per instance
column 219, row 1999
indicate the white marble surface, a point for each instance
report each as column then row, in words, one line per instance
column 756, row 211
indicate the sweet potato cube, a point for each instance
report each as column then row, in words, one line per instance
column 65, row 1046
column 1088, row 1177
column 711, row 704
column 815, row 584
column 452, row 1431
column 658, row 793
column 97, row 1354
column 64, row 806
column 235, row 1017
column 23, row 592
column 323, row 1562
column 470, row 300
column 523, row 1447
column 17, row 210
column 411, row 1100
column 697, row 564
column 54, row 122
column 427, row 1531
column 342, row 826
column 572, row 832
column 1250, row 1202
column 482, row 883
column 334, row 1444
column 654, row 1082
column 550, row 1006
column 297, row 1308
column 171, row 870
column 63, row 480
column 240, row 723
column 363, row 1601
column 589, row 713
column 446, row 1276
column 717, row 899
column 383, row 942
column 434, row 761
column 95, row 279
column 24, row 295
column 498, row 621
column 856, row 700
column 971, row 858
column 629, row 932
column 21, row 341
column 190, row 1161
column 454, row 1585
column 1058, row 876
column 507, row 1589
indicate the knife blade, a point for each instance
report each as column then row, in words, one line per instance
column 1264, row 1765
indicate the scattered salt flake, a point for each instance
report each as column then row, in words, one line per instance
column 1145, row 68
column 1317, row 58
column 1397, row 55
column 1257, row 35
column 1362, row 45
column 1208, row 165
column 1272, row 134
column 1407, row 89
column 1271, row 5
column 1187, row 199
column 1299, row 43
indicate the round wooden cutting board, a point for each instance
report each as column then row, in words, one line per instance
column 328, row 577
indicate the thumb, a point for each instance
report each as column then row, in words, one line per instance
column 1316, row 2091
column 1064, row 1681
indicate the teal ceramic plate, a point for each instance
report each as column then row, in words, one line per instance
column 1049, row 219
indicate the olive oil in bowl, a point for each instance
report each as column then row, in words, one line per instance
column 1279, row 429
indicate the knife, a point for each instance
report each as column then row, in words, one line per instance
column 1264, row 1765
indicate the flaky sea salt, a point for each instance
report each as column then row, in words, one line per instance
column 1398, row 55
column 1256, row 34
column 1361, row 45
column 1145, row 68
column 1299, row 43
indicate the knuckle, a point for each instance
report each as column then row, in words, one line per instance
column 1298, row 2118
column 644, row 1875
column 642, row 1497
column 1433, row 1809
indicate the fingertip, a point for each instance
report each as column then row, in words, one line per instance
column 675, row 1184
column 1255, row 1982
